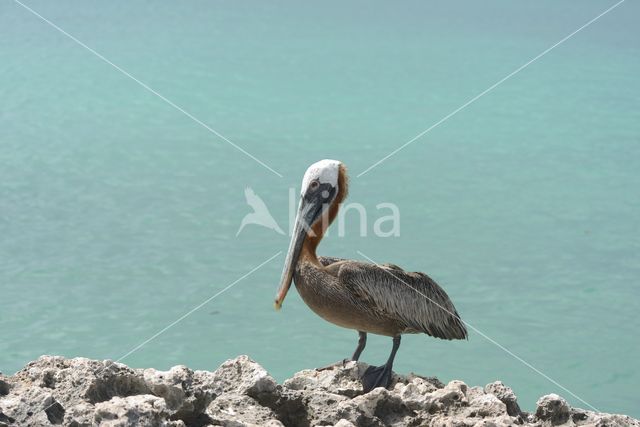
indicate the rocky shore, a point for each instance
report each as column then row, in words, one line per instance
column 81, row 392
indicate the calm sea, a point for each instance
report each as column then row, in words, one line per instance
column 118, row 213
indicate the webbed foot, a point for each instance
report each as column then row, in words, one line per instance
column 376, row 376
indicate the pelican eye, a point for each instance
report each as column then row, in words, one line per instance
column 325, row 194
column 314, row 185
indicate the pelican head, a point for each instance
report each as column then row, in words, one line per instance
column 320, row 190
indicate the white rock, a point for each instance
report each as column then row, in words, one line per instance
column 83, row 392
column 487, row 405
column 142, row 410
column 243, row 376
column 233, row 410
column 506, row 395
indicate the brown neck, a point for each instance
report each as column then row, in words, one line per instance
column 312, row 240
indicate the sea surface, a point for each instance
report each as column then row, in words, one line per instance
column 119, row 212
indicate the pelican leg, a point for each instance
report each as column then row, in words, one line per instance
column 380, row 376
column 362, row 342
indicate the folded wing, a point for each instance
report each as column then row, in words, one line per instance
column 413, row 298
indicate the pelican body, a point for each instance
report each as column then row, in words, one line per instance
column 369, row 298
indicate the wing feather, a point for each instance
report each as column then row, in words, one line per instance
column 414, row 298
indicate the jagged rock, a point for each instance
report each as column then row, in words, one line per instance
column 243, row 376
column 235, row 410
column 435, row 383
column 320, row 407
column 141, row 410
column 474, row 392
column 169, row 384
column 506, row 395
column 4, row 386
column 413, row 392
column 339, row 380
column 450, row 397
column 186, row 393
column 82, row 392
column 378, row 407
column 488, row 405
column 585, row 418
column 553, row 409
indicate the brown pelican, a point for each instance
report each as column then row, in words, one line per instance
column 370, row 298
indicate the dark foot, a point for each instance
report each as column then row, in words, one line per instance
column 376, row 376
column 338, row 364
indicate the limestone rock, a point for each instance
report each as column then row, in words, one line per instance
column 243, row 376
column 488, row 405
column 82, row 392
column 235, row 410
column 506, row 395
column 553, row 409
column 186, row 393
column 339, row 380
column 143, row 410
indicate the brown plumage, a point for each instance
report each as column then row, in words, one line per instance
column 365, row 297
column 380, row 299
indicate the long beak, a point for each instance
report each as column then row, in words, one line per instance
column 307, row 212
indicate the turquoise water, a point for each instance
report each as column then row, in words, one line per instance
column 119, row 214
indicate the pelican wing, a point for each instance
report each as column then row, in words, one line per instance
column 413, row 298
